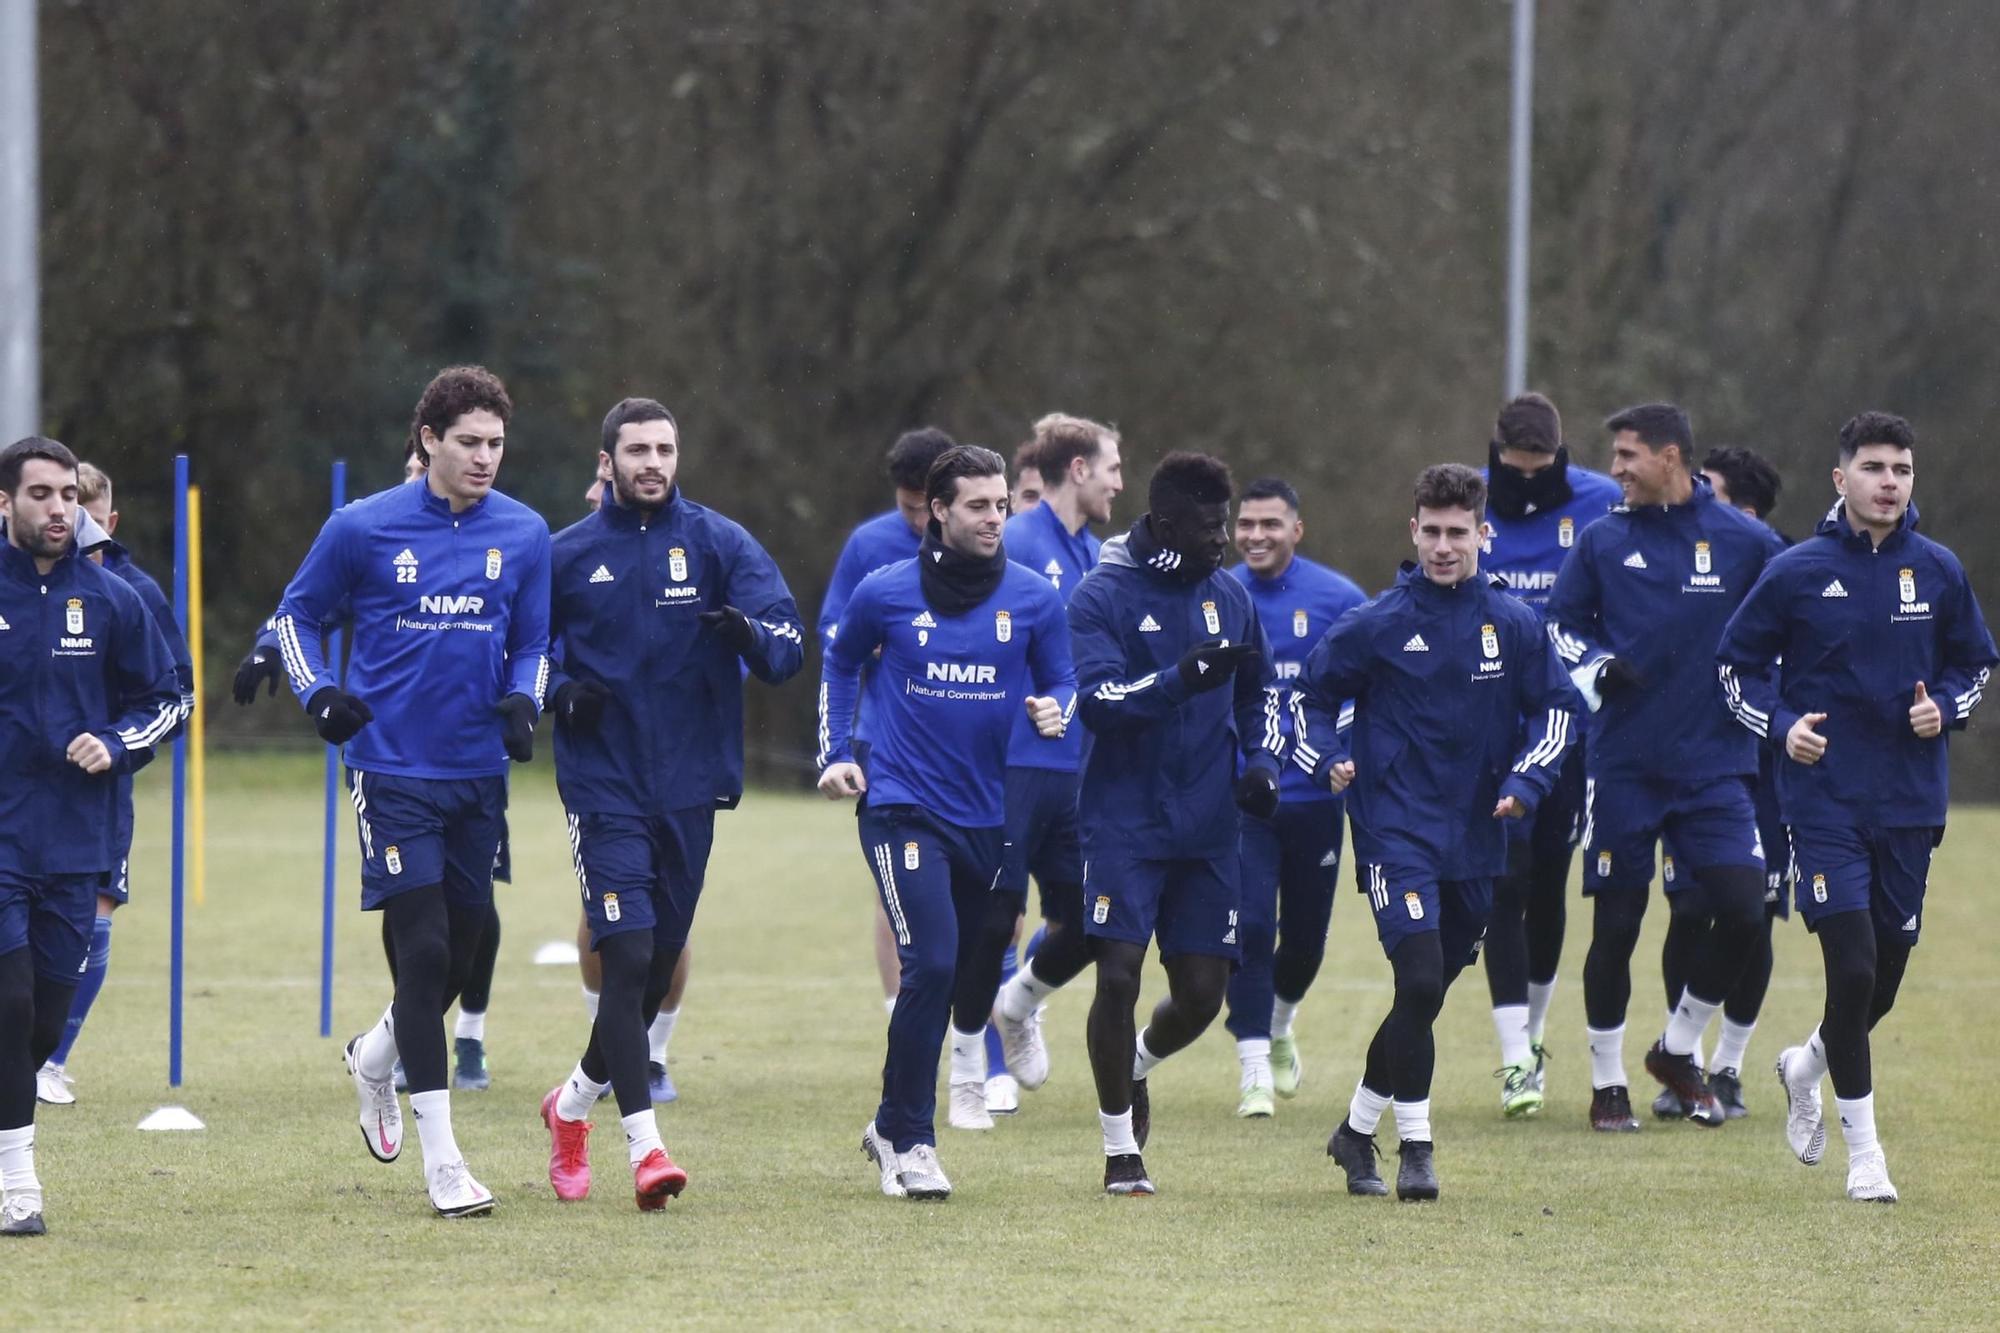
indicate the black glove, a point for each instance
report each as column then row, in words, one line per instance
column 261, row 667
column 580, row 704
column 732, row 626
column 1257, row 792
column 517, row 733
column 1618, row 676
column 338, row 715
column 1207, row 666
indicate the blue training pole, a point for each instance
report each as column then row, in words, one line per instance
column 332, row 803
column 180, row 784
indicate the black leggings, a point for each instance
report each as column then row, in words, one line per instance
column 1065, row 951
column 1864, row 970
column 33, row 1013
column 433, row 942
column 1403, row 1053
column 1746, row 998
column 978, row 977
column 478, row 991
column 1525, row 937
column 636, row 978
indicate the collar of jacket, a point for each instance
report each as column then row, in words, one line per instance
column 1421, row 584
column 1698, row 499
column 954, row 583
column 619, row 516
column 18, row 564
column 1140, row 549
column 437, row 504
column 1836, row 526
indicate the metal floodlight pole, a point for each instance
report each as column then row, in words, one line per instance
column 20, row 215
column 1517, row 197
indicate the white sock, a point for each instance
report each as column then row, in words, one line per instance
column 17, row 1165
column 375, row 1053
column 968, row 1055
column 1607, row 1056
column 1143, row 1060
column 1734, row 1044
column 1689, row 1021
column 661, row 1033
column 1812, row 1068
column 579, row 1094
column 1539, row 995
column 1118, row 1139
column 1413, row 1121
column 1857, row 1124
column 471, row 1026
column 642, row 1134
column 590, row 1003
column 1365, row 1111
column 889, row 1005
column 1282, row 1014
column 1510, row 1021
column 432, row 1111
column 1023, row 993
column 1254, row 1054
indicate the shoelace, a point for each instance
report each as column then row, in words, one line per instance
column 573, row 1146
column 924, row 1158
column 1516, row 1076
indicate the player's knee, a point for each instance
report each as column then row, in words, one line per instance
column 1615, row 922
column 1734, row 896
column 1118, row 969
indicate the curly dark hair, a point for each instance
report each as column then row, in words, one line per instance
column 452, row 393
column 1451, row 486
column 1875, row 428
column 1185, row 479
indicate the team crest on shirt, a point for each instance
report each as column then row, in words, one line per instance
column 611, row 909
column 392, row 857
column 1415, row 904
column 1566, row 533
column 492, row 562
column 1101, row 911
column 1210, row 618
column 910, row 856
column 1704, row 562
column 1906, row 589
column 1667, row 869
column 1603, row 864
column 1489, row 641
column 1003, row 626
column 73, row 616
column 677, row 564
column 1300, row 623
column 1819, row 888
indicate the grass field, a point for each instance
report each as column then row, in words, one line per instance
column 275, row 1216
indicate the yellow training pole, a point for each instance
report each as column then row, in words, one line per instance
column 197, row 740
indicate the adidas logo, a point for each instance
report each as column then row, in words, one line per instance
column 1834, row 589
column 1911, row 924
column 600, row 575
column 1416, row 645
column 408, row 557
column 923, row 621
column 1149, row 626
column 1635, row 561
column 1332, row 858
column 4, row 624
column 1052, row 569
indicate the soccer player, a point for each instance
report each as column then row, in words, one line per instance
column 448, row 585
column 883, row 540
column 263, row 665
column 1174, row 681
column 1291, row 861
column 1635, row 615
column 1538, row 500
column 1082, row 474
column 53, row 1083
column 658, row 604
column 961, row 632
column 1027, row 492
column 1858, row 650
column 1443, row 669
column 87, row 690
column 1748, row 481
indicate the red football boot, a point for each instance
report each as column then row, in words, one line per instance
column 569, row 1151
column 656, row 1179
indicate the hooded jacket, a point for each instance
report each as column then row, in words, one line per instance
column 1857, row 626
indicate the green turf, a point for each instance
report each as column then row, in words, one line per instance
column 275, row 1215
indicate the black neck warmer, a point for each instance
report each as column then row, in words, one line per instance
column 1162, row 560
column 1512, row 494
column 952, row 583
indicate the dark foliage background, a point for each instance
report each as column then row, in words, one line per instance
column 1272, row 229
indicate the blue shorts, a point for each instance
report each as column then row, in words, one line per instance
column 54, row 915
column 642, row 873
column 1042, row 840
column 1708, row 823
column 1189, row 904
column 1293, row 859
column 118, row 884
column 1409, row 901
column 416, row 832
column 1882, row 871
column 914, row 855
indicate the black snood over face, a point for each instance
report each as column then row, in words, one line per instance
column 953, row 583
column 1512, row 493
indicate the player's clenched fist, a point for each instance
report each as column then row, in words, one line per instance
column 1802, row 742
column 89, row 754
column 842, row 781
column 1340, row 775
column 1047, row 715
